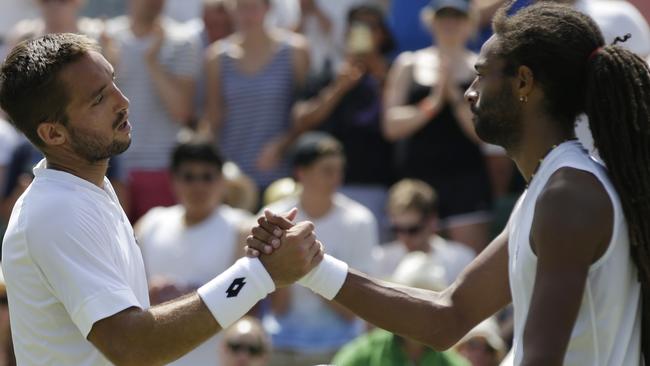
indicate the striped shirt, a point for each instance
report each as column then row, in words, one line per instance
column 257, row 110
column 154, row 132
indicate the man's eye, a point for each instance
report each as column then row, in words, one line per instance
column 98, row 99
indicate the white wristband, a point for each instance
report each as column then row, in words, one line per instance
column 230, row 295
column 327, row 278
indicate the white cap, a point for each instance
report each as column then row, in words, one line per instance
column 418, row 269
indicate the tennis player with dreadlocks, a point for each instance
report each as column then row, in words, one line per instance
column 574, row 256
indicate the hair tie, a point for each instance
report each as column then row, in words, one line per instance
column 621, row 39
column 594, row 53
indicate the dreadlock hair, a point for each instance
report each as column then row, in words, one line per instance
column 579, row 74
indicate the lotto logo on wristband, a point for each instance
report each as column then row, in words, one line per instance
column 236, row 286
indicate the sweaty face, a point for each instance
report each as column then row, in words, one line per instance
column 497, row 111
column 98, row 126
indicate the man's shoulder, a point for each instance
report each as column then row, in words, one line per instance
column 573, row 204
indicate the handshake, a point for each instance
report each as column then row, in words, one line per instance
column 279, row 253
column 288, row 251
column 291, row 252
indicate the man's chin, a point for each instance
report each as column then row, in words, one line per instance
column 120, row 147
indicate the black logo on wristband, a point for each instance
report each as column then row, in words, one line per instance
column 236, row 286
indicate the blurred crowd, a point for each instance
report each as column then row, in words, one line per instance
column 350, row 110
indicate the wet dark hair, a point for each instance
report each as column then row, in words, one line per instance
column 197, row 150
column 31, row 91
column 580, row 74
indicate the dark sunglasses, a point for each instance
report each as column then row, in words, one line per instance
column 251, row 349
column 408, row 230
column 206, row 177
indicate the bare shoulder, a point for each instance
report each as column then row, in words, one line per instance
column 296, row 41
column 219, row 48
column 574, row 205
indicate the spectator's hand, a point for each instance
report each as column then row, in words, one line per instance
column 266, row 235
column 109, row 47
column 440, row 88
column 158, row 37
column 349, row 76
column 297, row 255
column 270, row 156
column 162, row 289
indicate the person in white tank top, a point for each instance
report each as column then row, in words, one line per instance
column 574, row 256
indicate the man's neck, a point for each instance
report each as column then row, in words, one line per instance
column 537, row 141
column 92, row 172
column 255, row 39
column 316, row 205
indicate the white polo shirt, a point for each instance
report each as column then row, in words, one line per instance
column 69, row 258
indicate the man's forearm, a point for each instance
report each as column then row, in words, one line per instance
column 167, row 331
column 162, row 333
column 422, row 315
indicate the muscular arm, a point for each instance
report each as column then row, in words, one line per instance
column 165, row 332
column 571, row 230
column 436, row 319
column 155, row 336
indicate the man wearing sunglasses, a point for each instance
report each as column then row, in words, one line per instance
column 186, row 245
column 412, row 209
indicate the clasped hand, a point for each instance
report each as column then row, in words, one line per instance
column 288, row 251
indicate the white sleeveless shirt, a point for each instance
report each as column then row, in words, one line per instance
column 607, row 330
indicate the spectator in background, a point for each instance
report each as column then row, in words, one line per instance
column 186, row 245
column 412, row 208
column 245, row 344
column 317, row 26
column 483, row 346
column 55, row 17
column 427, row 114
column 350, row 108
column 105, row 8
column 12, row 13
column 282, row 14
column 307, row 329
column 252, row 78
column 9, row 139
column 183, row 11
column 156, row 70
column 216, row 24
column 382, row 348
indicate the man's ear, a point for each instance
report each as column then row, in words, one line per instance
column 525, row 82
column 52, row 133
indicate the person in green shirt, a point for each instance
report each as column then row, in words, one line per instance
column 382, row 348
